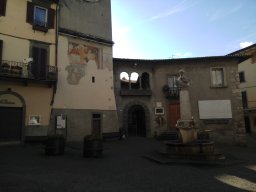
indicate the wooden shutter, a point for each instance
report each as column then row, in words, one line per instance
column 39, row 66
column 1, row 50
column 51, row 18
column 43, row 63
column 30, row 12
column 2, row 7
column 36, row 61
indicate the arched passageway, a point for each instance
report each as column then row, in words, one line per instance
column 136, row 121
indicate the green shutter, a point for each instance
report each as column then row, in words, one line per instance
column 30, row 12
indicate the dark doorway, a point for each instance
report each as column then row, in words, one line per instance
column 247, row 124
column 10, row 124
column 136, row 121
column 96, row 124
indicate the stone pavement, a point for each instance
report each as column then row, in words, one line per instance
column 122, row 169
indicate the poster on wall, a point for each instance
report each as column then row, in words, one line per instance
column 215, row 109
column 80, row 56
column 61, row 121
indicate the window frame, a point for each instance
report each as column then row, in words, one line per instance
column 46, row 16
column 49, row 17
column 242, row 77
column 40, row 68
column 244, row 99
column 3, row 7
column 224, row 82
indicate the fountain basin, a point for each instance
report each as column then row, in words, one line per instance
column 193, row 148
column 188, row 134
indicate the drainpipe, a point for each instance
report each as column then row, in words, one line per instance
column 56, row 49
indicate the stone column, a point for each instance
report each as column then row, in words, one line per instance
column 186, row 124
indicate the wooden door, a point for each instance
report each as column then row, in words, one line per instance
column 174, row 114
column 10, row 123
column 96, row 124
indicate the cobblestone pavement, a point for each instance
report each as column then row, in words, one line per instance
column 121, row 169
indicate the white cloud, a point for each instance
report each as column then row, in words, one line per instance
column 182, row 6
column 245, row 44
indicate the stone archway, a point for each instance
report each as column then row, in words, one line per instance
column 12, row 111
column 136, row 118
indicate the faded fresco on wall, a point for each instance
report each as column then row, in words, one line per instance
column 80, row 56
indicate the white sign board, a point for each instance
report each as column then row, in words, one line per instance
column 215, row 109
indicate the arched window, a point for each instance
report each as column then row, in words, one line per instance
column 124, row 78
column 134, row 80
column 145, row 81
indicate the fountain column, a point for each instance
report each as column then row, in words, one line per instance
column 185, row 124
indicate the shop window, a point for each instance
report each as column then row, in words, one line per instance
column 2, row 7
column 145, row 81
column 42, row 18
column 218, row 77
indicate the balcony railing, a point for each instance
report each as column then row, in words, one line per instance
column 19, row 70
column 135, row 92
column 171, row 92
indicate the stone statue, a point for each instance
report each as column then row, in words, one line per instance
column 182, row 80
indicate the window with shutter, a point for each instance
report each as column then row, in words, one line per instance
column 2, row 7
column 42, row 18
column 40, row 62
column 218, row 77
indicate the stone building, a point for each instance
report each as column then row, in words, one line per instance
column 27, row 68
column 247, row 71
column 84, row 102
column 148, row 99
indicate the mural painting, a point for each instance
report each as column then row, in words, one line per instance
column 80, row 56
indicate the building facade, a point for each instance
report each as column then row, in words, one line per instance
column 84, row 102
column 27, row 68
column 148, row 99
column 247, row 71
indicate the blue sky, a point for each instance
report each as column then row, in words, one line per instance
column 162, row 29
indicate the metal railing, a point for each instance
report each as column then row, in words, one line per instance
column 24, row 70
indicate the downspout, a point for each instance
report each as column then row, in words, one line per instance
column 56, row 50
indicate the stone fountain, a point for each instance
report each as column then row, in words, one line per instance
column 188, row 145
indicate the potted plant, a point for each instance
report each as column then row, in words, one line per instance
column 55, row 145
column 93, row 146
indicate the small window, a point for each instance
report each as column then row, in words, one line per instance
column 241, row 77
column 244, row 99
column 134, row 80
column 218, row 77
column 93, row 79
column 145, row 81
column 40, row 16
column 253, row 61
column 2, row 7
column 172, row 82
column 124, row 78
